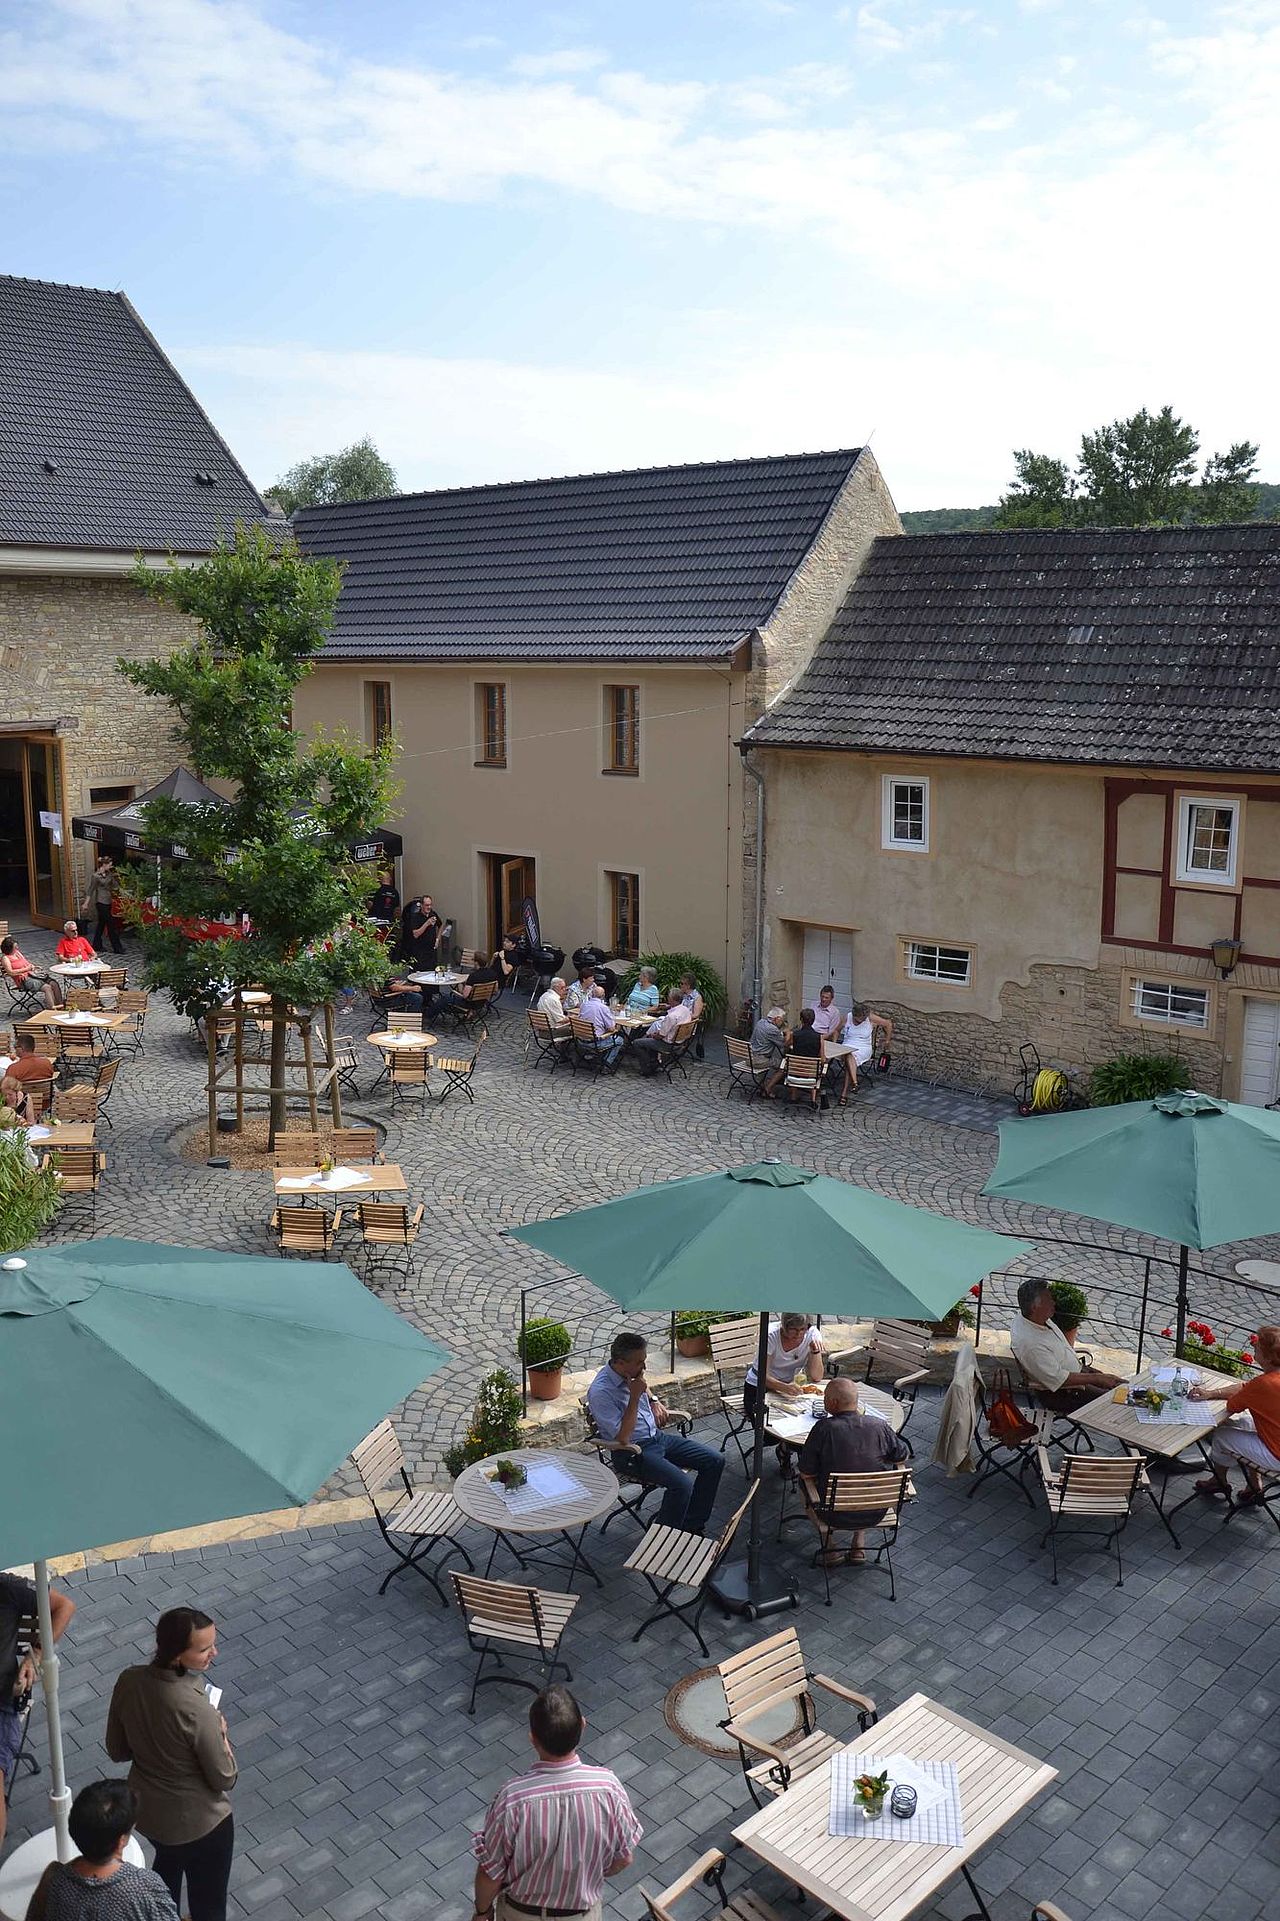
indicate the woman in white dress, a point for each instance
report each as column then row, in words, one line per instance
column 857, row 1043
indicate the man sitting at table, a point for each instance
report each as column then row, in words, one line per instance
column 624, row 1411
column 29, row 1066
column 847, row 1441
column 73, row 946
column 1047, row 1357
column 805, row 1041
column 827, row 1017
column 1251, row 1441
column 402, row 997
column 769, row 1035
column 665, row 1034
column 552, row 1002
column 598, row 1014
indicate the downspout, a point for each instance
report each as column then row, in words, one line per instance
column 757, row 940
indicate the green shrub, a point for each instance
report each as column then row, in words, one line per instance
column 669, row 967
column 691, row 1325
column 494, row 1425
column 29, row 1199
column 1136, row 1077
column 1071, row 1305
column 544, row 1345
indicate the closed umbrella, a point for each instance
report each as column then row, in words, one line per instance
column 757, row 1238
column 1184, row 1167
column 150, row 1387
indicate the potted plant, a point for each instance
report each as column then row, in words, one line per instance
column 509, row 1474
column 869, row 1792
column 494, row 1425
column 1071, row 1306
column 544, row 1348
column 961, row 1315
column 693, row 1335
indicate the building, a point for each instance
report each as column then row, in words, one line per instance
column 104, row 453
column 567, row 666
column 1024, row 787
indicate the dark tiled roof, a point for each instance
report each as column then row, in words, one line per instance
column 85, row 387
column 663, row 563
column 1159, row 647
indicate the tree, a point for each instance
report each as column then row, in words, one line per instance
column 1139, row 472
column 277, row 852
column 358, row 472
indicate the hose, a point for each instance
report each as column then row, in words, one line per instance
column 1048, row 1091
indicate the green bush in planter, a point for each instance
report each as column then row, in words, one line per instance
column 1071, row 1305
column 1136, row 1077
column 544, row 1345
column 669, row 967
column 692, row 1325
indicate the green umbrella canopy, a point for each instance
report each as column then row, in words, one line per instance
column 1184, row 1167
column 149, row 1387
column 762, row 1237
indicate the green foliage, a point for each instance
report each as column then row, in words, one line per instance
column 358, row 472
column 948, row 520
column 29, row 1198
column 544, row 1345
column 692, row 1324
column 494, row 1425
column 1071, row 1305
column 669, row 968
column 1202, row 1346
column 1139, row 472
column 1136, row 1077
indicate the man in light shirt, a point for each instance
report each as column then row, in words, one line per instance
column 626, row 1413
column 552, row 1002
column 665, row 1033
column 826, row 1015
column 598, row 1014
column 1047, row 1357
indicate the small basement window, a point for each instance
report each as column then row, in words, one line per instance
column 932, row 961
column 1170, row 1003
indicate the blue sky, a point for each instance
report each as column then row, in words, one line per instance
column 508, row 239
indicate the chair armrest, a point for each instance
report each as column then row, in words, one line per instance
column 1047, row 1474
column 846, row 1354
column 909, row 1380
column 415, row 1219
column 676, row 1417
column 1046, row 1911
column 602, row 1446
column 753, row 1741
column 863, row 1701
column 337, row 1220
column 702, row 1866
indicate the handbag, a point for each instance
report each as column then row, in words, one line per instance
column 1006, row 1421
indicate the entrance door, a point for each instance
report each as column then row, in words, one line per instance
column 1260, row 1054
column 509, row 878
column 828, row 962
column 33, row 870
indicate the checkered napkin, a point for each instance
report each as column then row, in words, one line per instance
column 1189, row 1414
column 937, row 1820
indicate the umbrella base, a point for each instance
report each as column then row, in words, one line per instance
column 735, row 1591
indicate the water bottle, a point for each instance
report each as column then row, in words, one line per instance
column 1178, row 1388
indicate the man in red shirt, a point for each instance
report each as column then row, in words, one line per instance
column 73, row 946
column 1254, row 1441
column 29, row 1066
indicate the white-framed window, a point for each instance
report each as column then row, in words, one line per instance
column 1170, row 1003
column 946, row 966
column 1208, row 843
column 904, row 814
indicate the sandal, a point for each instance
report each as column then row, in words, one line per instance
column 1211, row 1489
column 833, row 1557
column 1247, row 1499
column 856, row 1556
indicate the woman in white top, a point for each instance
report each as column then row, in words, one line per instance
column 857, row 1042
column 794, row 1343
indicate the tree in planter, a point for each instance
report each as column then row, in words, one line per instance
column 278, row 851
column 544, row 1348
column 1071, row 1306
column 667, row 970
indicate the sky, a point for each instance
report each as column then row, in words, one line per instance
column 508, row 240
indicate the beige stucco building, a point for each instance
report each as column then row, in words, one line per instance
column 104, row 453
column 1024, row 785
column 567, row 667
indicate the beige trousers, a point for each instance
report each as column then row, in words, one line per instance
column 507, row 1913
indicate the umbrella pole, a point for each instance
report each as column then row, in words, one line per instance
column 1182, row 1300
column 59, row 1792
column 738, row 1585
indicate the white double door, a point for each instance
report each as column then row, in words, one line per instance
column 828, row 962
column 1260, row 1053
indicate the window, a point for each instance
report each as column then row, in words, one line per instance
column 111, row 796
column 1208, row 840
column 904, row 821
column 928, row 961
column 491, row 723
column 377, row 711
column 622, row 730
column 624, row 914
column 1170, row 1003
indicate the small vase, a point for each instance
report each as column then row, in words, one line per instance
column 871, row 1810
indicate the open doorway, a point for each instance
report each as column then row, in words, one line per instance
column 509, row 879
column 34, row 875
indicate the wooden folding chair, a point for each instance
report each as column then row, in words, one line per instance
column 735, row 1346
column 623, row 1458
column 403, row 1024
column 305, row 1230
column 457, row 1073
column 345, row 1064
column 1089, row 1494
column 1057, row 1429
column 743, row 1906
column 388, row 1232
column 551, row 1044
column 39, row 1097
column 131, row 1005
column 418, row 1520
column 763, row 1678
column 82, row 1000
column 671, row 1558
column 114, row 977
column 747, row 1072
column 802, row 1074
column 78, row 1051
column 22, row 999
column 898, row 1356
column 526, row 1622
column 470, row 1016
column 408, row 1076
column 298, row 1149
column 356, row 1146
column 845, row 1503
column 79, row 1172
column 1011, row 1457
column 103, row 1081
column 77, row 1103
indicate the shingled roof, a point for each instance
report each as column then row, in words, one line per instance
column 1158, row 647
column 661, row 563
column 102, row 444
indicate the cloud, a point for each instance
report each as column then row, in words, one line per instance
column 537, row 66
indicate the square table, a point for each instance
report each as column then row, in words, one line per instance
column 59, row 1021
column 386, row 1179
column 1157, row 1441
column 45, row 1139
column 873, row 1880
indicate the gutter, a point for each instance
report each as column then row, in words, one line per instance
column 757, row 937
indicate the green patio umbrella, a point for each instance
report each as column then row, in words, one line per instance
column 762, row 1238
column 150, row 1387
column 1184, row 1167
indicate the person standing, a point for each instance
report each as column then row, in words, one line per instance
column 18, row 1677
column 101, row 900
column 162, row 1721
column 100, row 1885
column 554, row 1836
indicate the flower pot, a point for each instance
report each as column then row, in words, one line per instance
column 1069, row 1335
column 693, row 1345
column 544, row 1383
column 871, row 1810
column 947, row 1328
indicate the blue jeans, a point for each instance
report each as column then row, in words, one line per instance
column 689, row 1495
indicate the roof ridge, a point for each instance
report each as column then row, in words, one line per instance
column 68, row 286
column 951, row 535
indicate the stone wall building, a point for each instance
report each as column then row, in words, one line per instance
column 104, row 453
column 1023, row 787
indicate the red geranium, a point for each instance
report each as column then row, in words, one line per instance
column 1247, row 1360
column 1166, row 1333
column 1253, row 1340
column 976, row 1290
column 1209, row 1339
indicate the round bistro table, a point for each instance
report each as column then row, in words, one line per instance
column 564, row 1521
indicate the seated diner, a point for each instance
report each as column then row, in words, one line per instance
column 1047, row 1357
column 1250, row 1440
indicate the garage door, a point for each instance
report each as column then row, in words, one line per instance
column 828, row 962
column 1260, row 1056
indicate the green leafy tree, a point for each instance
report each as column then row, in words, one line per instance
column 29, row 1196
column 1139, row 472
column 357, row 472
column 277, row 852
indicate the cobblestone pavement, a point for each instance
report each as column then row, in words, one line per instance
column 362, row 1777
column 537, row 1143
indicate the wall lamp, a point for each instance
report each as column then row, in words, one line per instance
column 1226, row 953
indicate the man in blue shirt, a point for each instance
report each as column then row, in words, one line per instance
column 624, row 1411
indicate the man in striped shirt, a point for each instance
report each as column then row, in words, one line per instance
column 552, row 1837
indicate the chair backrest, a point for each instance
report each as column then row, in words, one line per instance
column 306, row 1227
column 803, row 1070
column 482, row 993
column 1096, row 1484
column 730, row 1528
column 378, row 1459
column 75, row 1046
column 6, row 1041
column 78, row 1166
column 900, row 1345
column 500, row 1605
column 469, row 959
column 82, row 1000
column 772, row 1670
column 457, row 1070
column 105, row 1076
column 355, row 1143
column 403, row 1023
column 384, row 1215
column 75, row 1104
column 132, row 1000
column 411, row 1066
column 541, row 1026
column 734, row 1345
column 863, row 1493
column 738, row 1051
column 39, row 1094
column 298, row 1150
column 113, row 977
